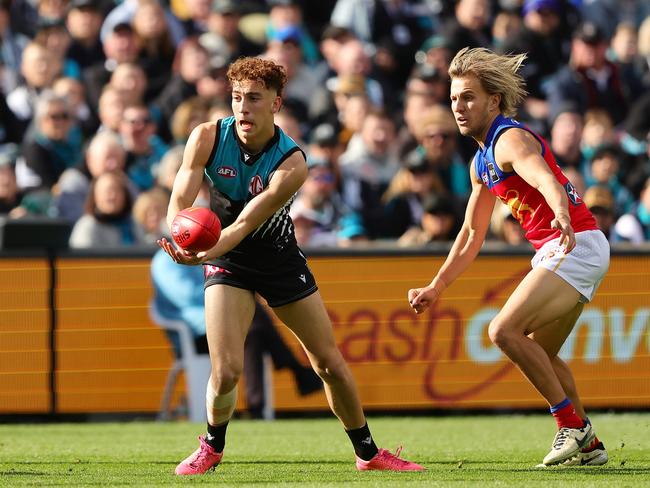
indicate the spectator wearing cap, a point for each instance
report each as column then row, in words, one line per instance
column 223, row 39
column 469, row 27
column 600, row 201
column 83, row 21
column 287, row 13
column 408, row 189
column 120, row 46
column 634, row 226
column 325, row 144
column 12, row 44
column 285, row 48
column 546, row 48
column 437, row 135
column 367, row 166
column 439, row 223
column 318, row 209
column 606, row 165
column 39, row 68
column 191, row 63
column 54, row 35
column 590, row 79
column 352, row 105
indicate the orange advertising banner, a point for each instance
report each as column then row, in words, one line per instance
column 110, row 357
column 444, row 359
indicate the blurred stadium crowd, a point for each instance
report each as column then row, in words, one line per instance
column 99, row 97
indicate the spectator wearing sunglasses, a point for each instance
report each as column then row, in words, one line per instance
column 50, row 146
column 437, row 136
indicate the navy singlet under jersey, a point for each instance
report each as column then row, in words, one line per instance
column 237, row 177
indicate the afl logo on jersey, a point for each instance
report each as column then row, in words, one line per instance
column 227, row 172
column 256, row 186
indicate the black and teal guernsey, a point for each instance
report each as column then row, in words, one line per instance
column 236, row 177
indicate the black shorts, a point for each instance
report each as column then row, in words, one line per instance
column 285, row 279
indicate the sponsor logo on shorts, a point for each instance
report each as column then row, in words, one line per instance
column 211, row 270
column 227, row 172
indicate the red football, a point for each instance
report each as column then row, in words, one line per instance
column 196, row 229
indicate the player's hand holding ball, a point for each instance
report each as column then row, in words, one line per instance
column 195, row 230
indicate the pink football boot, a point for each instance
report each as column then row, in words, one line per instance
column 201, row 460
column 386, row 460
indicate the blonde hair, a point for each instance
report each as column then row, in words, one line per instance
column 497, row 73
column 153, row 197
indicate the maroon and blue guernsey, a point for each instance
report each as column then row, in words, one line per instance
column 526, row 203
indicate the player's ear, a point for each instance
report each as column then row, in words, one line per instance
column 277, row 105
column 495, row 101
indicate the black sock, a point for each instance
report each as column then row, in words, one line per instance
column 364, row 445
column 217, row 436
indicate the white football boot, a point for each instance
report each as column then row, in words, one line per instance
column 593, row 455
column 568, row 443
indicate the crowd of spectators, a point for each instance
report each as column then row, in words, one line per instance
column 99, row 97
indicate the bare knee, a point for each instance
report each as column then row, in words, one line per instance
column 225, row 377
column 331, row 367
column 500, row 333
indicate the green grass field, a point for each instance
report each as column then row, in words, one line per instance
column 457, row 451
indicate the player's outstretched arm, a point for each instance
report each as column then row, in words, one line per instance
column 284, row 183
column 465, row 248
column 520, row 150
column 188, row 183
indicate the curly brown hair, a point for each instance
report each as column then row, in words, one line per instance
column 271, row 75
